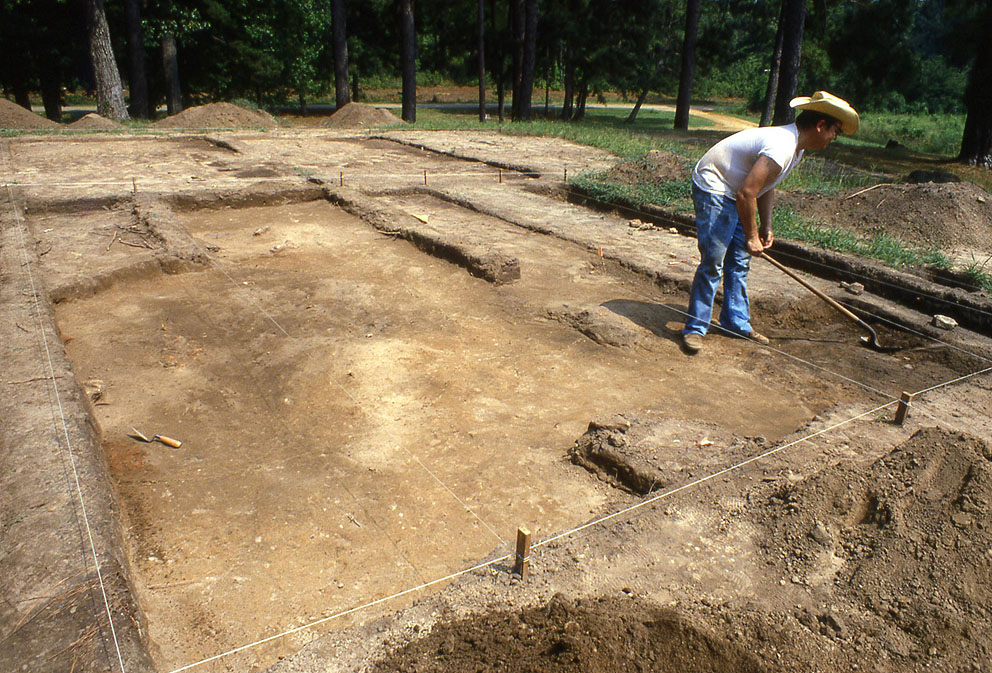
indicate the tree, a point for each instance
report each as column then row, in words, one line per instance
column 976, row 144
column 481, row 12
column 137, row 79
column 518, row 26
column 170, row 63
column 408, row 61
column 526, row 92
column 338, row 23
column 773, row 72
column 109, row 92
column 692, row 11
column 793, row 23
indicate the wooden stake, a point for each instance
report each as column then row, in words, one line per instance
column 134, row 185
column 501, row 176
column 522, row 564
column 425, row 176
column 342, row 178
column 566, row 173
column 904, row 402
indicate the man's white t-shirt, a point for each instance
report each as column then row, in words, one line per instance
column 724, row 167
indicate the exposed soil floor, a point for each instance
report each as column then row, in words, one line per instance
column 384, row 354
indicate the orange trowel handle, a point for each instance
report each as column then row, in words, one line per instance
column 168, row 441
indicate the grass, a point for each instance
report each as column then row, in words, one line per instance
column 676, row 196
column 928, row 134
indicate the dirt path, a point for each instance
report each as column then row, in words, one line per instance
column 359, row 416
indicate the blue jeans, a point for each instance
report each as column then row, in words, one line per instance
column 723, row 254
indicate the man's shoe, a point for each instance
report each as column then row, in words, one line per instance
column 693, row 342
column 759, row 337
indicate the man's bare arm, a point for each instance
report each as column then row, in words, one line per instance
column 762, row 173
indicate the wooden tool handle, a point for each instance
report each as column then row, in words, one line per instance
column 830, row 300
column 168, row 441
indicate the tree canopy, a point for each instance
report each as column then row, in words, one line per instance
column 894, row 55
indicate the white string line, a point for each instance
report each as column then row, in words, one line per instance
column 215, row 262
column 709, row 477
column 488, row 173
column 808, row 363
column 65, row 429
column 923, row 335
column 542, row 543
column 344, row 613
column 957, row 380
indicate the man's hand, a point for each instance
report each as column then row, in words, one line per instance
column 755, row 246
column 766, row 235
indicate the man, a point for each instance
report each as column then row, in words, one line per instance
column 733, row 187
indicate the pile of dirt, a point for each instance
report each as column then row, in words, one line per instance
column 591, row 636
column 655, row 166
column 356, row 115
column 13, row 116
column 218, row 115
column 906, row 539
column 948, row 216
column 94, row 122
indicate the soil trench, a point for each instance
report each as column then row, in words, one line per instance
column 359, row 417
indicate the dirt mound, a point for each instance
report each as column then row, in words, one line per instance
column 592, row 636
column 949, row 216
column 906, row 539
column 95, row 122
column 218, row 115
column 356, row 115
column 655, row 166
column 13, row 116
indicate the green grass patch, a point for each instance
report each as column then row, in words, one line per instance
column 603, row 128
column 938, row 134
column 676, row 196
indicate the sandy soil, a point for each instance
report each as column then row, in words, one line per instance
column 362, row 412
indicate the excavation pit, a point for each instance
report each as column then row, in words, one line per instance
column 361, row 413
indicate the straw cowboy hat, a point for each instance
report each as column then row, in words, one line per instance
column 829, row 104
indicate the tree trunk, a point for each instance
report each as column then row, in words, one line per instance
column 547, row 83
column 408, row 59
column 498, row 62
column 22, row 95
column 137, row 79
column 632, row 117
column 530, row 58
column 794, row 20
column 518, row 26
column 109, row 92
column 773, row 71
column 580, row 107
column 340, row 39
column 170, row 63
column 692, row 10
column 976, row 143
column 482, row 60
column 51, row 92
column 566, row 106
